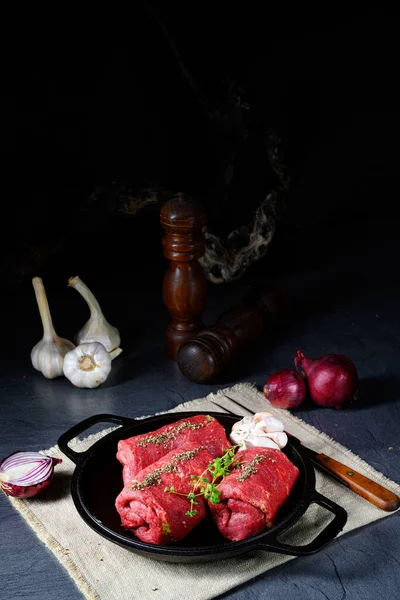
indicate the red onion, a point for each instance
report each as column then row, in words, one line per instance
column 285, row 389
column 26, row 474
column 332, row 379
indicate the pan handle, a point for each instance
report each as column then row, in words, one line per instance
column 321, row 540
column 82, row 426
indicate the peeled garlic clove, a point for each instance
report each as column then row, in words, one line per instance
column 48, row 354
column 88, row 365
column 269, row 424
column 262, row 429
column 260, row 416
column 260, row 442
column 241, row 431
column 245, row 425
column 238, row 437
column 279, row 437
column 97, row 328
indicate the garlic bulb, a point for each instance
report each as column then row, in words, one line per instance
column 88, row 365
column 262, row 429
column 48, row 354
column 97, row 328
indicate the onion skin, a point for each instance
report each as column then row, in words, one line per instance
column 332, row 379
column 285, row 389
column 19, row 491
column 26, row 491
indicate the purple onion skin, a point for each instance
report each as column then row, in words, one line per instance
column 285, row 389
column 18, row 491
column 332, row 380
column 28, row 491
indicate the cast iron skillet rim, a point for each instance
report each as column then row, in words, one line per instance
column 298, row 510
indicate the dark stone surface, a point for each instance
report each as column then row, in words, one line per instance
column 342, row 285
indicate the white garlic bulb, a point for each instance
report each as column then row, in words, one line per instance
column 48, row 354
column 97, row 328
column 88, row 365
column 261, row 430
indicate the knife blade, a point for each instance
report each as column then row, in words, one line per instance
column 361, row 485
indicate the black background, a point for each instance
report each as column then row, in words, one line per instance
column 84, row 104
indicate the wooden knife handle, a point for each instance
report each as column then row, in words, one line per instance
column 361, row 485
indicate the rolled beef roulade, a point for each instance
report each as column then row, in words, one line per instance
column 260, row 481
column 155, row 515
column 139, row 451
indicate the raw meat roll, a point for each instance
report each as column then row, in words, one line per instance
column 139, row 451
column 260, row 481
column 155, row 515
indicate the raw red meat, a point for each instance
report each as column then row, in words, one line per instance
column 260, row 481
column 139, row 451
column 155, row 515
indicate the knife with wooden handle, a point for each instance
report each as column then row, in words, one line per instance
column 365, row 487
column 359, row 484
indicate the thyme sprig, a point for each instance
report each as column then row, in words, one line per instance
column 219, row 468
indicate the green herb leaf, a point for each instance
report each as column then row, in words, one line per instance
column 214, row 499
column 218, row 469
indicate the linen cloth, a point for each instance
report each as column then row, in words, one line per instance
column 105, row 571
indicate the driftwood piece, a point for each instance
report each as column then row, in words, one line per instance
column 226, row 260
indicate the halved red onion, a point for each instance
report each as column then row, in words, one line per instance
column 26, row 474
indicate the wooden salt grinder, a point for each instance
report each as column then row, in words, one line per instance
column 185, row 285
column 206, row 354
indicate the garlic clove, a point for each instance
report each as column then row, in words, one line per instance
column 262, row 429
column 88, row 365
column 238, row 437
column 47, row 356
column 260, row 415
column 241, row 431
column 269, row 424
column 244, row 425
column 97, row 328
column 279, row 437
column 260, row 442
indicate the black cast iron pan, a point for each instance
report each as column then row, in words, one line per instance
column 97, row 481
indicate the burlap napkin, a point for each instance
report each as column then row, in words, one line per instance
column 104, row 571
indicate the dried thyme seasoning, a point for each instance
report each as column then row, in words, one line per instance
column 250, row 468
column 155, row 477
column 164, row 437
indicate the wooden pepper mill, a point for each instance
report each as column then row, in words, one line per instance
column 205, row 355
column 185, row 285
